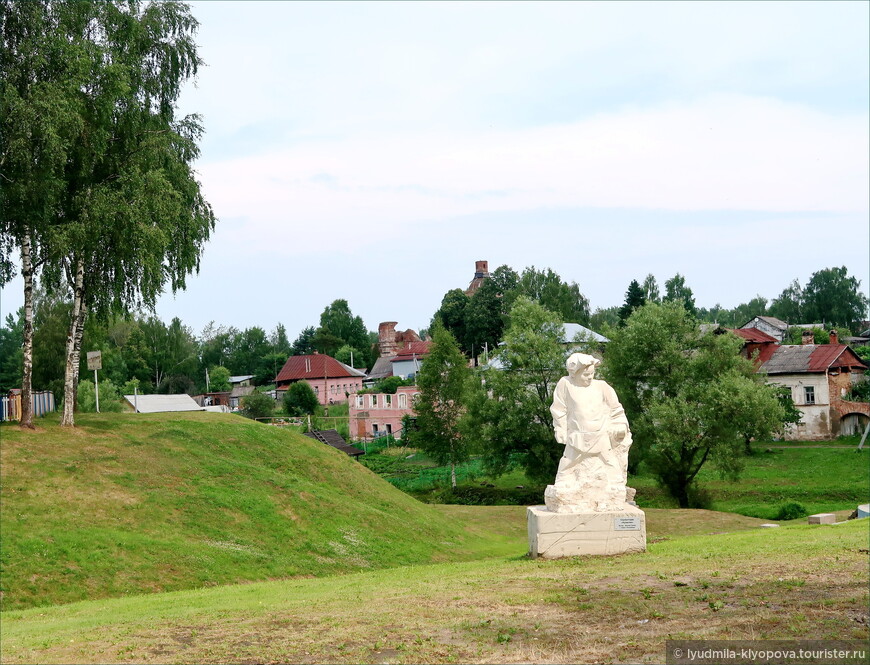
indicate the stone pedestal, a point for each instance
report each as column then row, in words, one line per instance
column 553, row 535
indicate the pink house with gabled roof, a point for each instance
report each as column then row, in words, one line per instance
column 331, row 380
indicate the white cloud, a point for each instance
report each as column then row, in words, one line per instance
column 718, row 153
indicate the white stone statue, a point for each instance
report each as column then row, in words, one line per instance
column 590, row 421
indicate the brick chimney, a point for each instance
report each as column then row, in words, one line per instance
column 833, row 337
column 807, row 337
column 481, row 269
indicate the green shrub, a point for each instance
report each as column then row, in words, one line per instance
column 110, row 399
column 791, row 511
column 300, row 400
column 257, row 405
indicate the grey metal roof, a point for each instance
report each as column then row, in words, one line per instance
column 789, row 359
column 162, row 403
column 571, row 330
column 382, row 368
column 353, row 371
column 239, row 379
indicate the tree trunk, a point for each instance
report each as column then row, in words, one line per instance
column 453, row 475
column 70, row 383
column 27, row 375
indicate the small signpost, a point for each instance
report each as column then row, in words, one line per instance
column 95, row 362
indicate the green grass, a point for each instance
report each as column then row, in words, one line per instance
column 821, row 476
column 823, row 479
column 132, row 503
column 796, row 582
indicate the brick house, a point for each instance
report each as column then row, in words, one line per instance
column 819, row 377
column 377, row 414
column 331, row 380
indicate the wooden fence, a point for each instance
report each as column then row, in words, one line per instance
column 10, row 407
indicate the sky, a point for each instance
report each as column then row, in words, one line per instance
column 374, row 151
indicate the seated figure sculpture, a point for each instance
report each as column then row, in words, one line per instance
column 590, row 421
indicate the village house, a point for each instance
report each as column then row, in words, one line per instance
column 380, row 414
column 819, row 377
column 331, row 380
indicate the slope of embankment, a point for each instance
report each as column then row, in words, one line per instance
column 126, row 503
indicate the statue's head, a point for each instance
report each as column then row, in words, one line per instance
column 581, row 368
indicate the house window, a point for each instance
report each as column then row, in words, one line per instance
column 388, row 401
column 389, row 428
column 403, row 401
column 809, row 395
column 374, row 401
column 374, row 429
column 359, row 401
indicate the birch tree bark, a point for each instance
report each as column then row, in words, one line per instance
column 27, row 377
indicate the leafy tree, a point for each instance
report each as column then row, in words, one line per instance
column 257, row 405
column 50, row 320
column 677, row 291
column 690, row 398
column 129, row 216
column 788, row 306
column 300, row 399
column 634, row 298
column 248, row 348
column 347, row 352
column 219, row 379
column 304, row 344
column 651, row 289
column 270, row 365
column 834, row 298
column 509, row 415
column 451, row 315
column 338, row 321
column 443, row 381
column 279, row 341
column 794, row 335
column 484, row 319
column 547, row 288
column 11, row 353
column 327, row 343
column 44, row 77
column 603, row 319
column 388, row 385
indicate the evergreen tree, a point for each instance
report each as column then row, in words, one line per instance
column 634, row 299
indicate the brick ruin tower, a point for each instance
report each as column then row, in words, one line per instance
column 481, row 272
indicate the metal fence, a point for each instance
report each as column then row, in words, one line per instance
column 42, row 402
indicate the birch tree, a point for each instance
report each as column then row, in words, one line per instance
column 130, row 217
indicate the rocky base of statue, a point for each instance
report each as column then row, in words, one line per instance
column 617, row 530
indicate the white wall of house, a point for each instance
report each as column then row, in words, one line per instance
column 811, row 396
column 406, row 367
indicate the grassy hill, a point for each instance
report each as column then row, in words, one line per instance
column 132, row 503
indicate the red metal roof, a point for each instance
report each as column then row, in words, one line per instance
column 833, row 355
column 412, row 349
column 754, row 335
column 810, row 358
column 314, row 367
